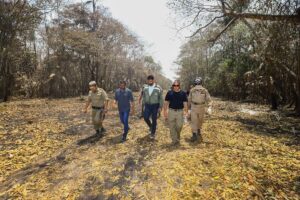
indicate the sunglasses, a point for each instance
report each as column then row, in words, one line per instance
column 175, row 85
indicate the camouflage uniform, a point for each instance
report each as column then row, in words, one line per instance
column 98, row 100
column 198, row 100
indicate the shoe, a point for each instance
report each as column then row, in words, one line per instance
column 103, row 130
column 98, row 133
column 150, row 131
column 199, row 136
column 175, row 144
column 152, row 136
column 194, row 137
column 123, row 140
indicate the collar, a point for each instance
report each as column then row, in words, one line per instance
column 199, row 86
column 154, row 85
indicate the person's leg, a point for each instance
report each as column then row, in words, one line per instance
column 142, row 110
column 97, row 120
column 147, row 113
column 172, row 126
column 200, row 123
column 126, row 127
column 194, row 124
column 121, row 115
column 100, row 119
column 179, row 124
column 102, row 116
column 154, row 115
column 194, row 121
column 94, row 120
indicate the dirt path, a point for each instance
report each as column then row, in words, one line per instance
column 49, row 152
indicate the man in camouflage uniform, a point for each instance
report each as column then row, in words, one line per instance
column 198, row 100
column 99, row 100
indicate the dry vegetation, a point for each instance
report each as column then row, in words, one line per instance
column 48, row 152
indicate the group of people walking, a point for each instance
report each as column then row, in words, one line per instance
column 176, row 106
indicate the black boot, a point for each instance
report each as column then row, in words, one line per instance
column 194, row 137
column 123, row 139
column 199, row 136
column 103, row 130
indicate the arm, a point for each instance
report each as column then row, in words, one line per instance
column 209, row 102
column 185, row 104
column 161, row 100
column 208, row 99
column 106, row 105
column 189, row 103
column 86, row 106
column 132, row 103
column 166, row 106
column 116, row 99
column 140, row 97
column 106, row 101
column 89, row 100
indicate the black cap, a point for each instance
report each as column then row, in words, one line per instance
column 150, row 77
column 122, row 82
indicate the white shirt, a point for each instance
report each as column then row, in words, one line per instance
column 151, row 88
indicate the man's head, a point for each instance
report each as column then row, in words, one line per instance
column 198, row 81
column 122, row 85
column 150, row 80
column 176, row 85
column 93, row 86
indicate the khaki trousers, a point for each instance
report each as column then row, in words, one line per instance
column 197, row 117
column 97, row 118
column 175, row 119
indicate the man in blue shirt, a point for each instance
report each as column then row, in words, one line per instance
column 124, row 98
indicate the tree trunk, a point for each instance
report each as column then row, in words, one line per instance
column 298, row 77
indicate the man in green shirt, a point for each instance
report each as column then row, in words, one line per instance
column 153, row 99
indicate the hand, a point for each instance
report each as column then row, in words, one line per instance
column 189, row 114
column 85, row 110
column 209, row 110
column 159, row 110
column 166, row 115
column 186, row 115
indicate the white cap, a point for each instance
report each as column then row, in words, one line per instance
column 92, row 83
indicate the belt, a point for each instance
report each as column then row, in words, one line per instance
column 97, row 108
column 176, row 110
column 151, row 104
column 198, row 103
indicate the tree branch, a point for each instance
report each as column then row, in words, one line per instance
column 202, row 27
column 293, row 18
column 226, row 27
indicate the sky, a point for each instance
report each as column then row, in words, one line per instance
column 153, row 23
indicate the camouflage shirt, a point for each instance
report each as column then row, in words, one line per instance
column 98, row 98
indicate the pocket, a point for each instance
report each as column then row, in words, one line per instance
column 198, row 97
